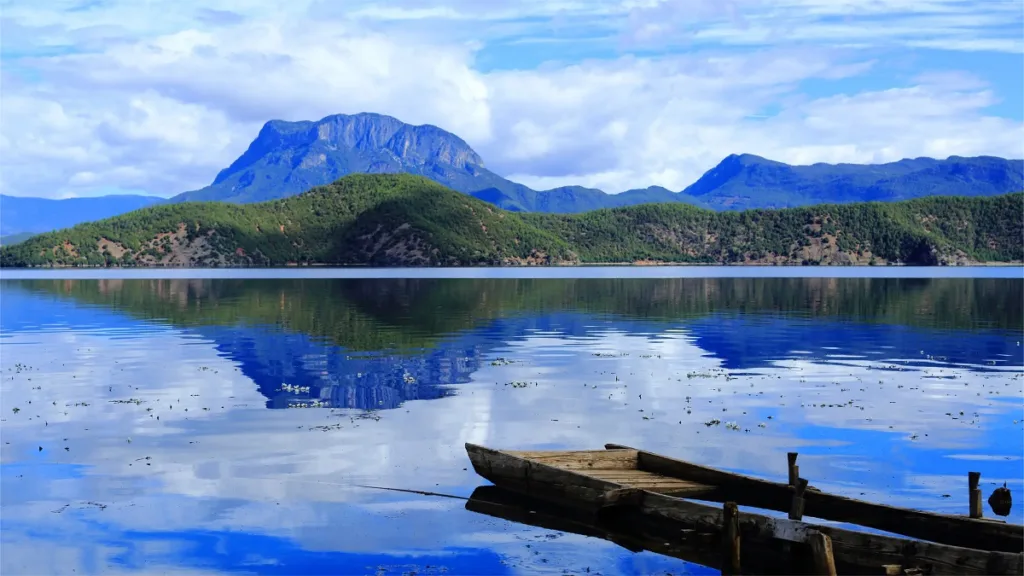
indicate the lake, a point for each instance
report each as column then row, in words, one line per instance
column 232, row 423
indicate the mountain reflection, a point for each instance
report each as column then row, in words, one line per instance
column 295, row 371
column 374, row 344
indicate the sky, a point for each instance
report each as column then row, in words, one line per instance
column 156, row 96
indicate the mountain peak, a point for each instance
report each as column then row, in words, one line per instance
column 748, row 160
column 729, row 168
column 288, row 157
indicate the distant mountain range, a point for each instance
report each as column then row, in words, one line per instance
column 747, row 181
column 21, row 217
column 291, row 157
column 288, row 158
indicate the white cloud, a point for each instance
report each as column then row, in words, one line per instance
column 698, row 112
column 162, row 104
column 182, row 106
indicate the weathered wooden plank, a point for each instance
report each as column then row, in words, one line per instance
column 650, row 481
column 582, row 459
column 821, row 554
column 749, row 491
column 622, row 497
column 618, row 473
column 730, row 539
column 862, row 551
column 591, row 481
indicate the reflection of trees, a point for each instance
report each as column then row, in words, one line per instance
column 414, row 313
column 374, row 344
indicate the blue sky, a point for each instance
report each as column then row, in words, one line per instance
column 156, row 96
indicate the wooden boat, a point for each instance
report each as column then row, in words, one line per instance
column 950, row 529
column 655, row 486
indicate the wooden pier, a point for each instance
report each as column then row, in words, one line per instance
column 651, row 489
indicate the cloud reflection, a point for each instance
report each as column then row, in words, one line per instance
column 173, row 459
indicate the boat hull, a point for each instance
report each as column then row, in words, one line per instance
column 854, row 551
column 747, row 491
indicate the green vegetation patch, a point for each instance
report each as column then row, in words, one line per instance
column 406, row 220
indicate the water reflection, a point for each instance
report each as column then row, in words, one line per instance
column 148, row 399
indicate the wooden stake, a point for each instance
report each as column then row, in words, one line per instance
column 794, row 475
column 730, row 539
column 974, row 493
column 821, row 553
column 796, row 508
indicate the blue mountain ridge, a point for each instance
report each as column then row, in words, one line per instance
column 23, row 216
column 288, row 158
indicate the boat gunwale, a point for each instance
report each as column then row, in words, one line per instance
column 818, row 504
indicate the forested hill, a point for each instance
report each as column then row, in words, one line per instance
column 401, row 219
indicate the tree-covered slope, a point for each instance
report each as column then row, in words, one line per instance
column 360, row 219
column 400, row 219
column 926, row 231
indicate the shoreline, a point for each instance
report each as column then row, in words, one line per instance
column 1012, row 272
column 526, row 266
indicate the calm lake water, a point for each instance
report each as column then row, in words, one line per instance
column 229, row 425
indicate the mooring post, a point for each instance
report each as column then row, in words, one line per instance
column 796, row 508
column 730, row 539
column 821, row 553
column 975, row 493
column 794, row 474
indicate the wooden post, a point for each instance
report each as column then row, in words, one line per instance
column 821, row 553
column 975, row 493
column 730, row 539
column 794, row 470
column 892, row 569
column 796, row 508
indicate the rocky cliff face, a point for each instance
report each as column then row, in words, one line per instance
column 288, row 158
